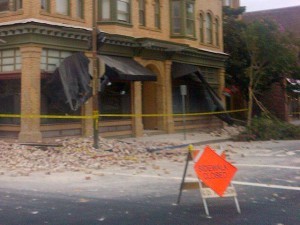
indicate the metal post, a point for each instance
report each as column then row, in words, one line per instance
column 95, row 77
column 183, row 91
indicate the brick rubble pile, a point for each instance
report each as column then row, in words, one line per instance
column 78, row 154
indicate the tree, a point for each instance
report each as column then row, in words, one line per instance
column 272, row 55
column 235, row 45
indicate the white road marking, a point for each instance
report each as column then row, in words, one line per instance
column 266, row 185
column 195, row 179
column 268, row 166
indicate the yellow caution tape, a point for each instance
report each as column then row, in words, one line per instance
column 96, row 115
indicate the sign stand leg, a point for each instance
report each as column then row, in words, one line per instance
column 183, row 177
column 204, row 200
column 236, row 203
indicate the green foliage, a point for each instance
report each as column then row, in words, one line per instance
column 234, row 44
column 265, row 128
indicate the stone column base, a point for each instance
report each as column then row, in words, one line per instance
column 30, row 137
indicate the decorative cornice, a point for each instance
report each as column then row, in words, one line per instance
column 44, row 29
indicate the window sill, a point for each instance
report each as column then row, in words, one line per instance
column 61, row 16
column 183, row 37
column 117, row 23
column 149, row 28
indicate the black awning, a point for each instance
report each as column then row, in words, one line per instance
column 182, row 69
column 213, row 101
column 127, row 69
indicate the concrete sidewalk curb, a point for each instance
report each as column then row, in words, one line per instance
column 191, row 143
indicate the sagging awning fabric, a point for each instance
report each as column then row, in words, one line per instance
column 180, row 70
column 69, row 86
column 124, row 69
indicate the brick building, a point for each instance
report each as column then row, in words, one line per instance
column 156, row 37
column 287, row 104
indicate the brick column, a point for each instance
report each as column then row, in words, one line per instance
column 168, row 107
column 30, row 93
column 137, row 108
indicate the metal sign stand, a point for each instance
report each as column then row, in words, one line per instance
column 205, row 191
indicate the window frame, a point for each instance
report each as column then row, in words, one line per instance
column 68, row 12
column 16, row 58
column 201, row 28
column 12, row 5
column 217, row 32
column 114, row 13
column 46, row 5
column 182, row 18
column 190, row 20
column 142, row 13
column 209, row 28
column 157, row 15
column 80, row 9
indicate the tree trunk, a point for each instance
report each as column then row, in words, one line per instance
column 250, row 102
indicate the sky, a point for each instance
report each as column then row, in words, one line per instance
column 256, row 5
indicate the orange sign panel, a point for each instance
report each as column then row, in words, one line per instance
column 214, row 171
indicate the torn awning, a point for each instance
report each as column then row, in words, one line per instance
column 215, row 104
column 69, row 86
column 125, row 68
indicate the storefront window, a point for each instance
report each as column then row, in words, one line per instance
column 51, row 59
column 10, row 60
column 115, row 99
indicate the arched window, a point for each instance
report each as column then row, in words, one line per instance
column 209, row 30
column 217, row 32
column 201, row 28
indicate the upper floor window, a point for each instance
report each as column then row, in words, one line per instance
column 45, row 5
column 176, row 17
column 142, row 12
column 201, row 28
column 183, row 17
column 209, row 29
column 105, row 10
column 157, row 14
column 114, row 10
column 123, row 10
column 80, row 9
column 190, row 18
column 10, row 5
column 226, row 2
column 10, row 60
column 63, row 7
column 4, row 5
column 217, row 32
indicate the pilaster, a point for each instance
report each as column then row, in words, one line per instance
column 30, row 94
column 168, row 107
column 137, row 108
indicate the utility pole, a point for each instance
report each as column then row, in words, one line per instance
column 95, row 77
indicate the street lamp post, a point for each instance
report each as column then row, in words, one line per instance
column 95, row 78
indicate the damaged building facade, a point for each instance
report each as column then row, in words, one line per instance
column 151, row 48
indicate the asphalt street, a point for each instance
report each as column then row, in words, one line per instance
column 267, row 184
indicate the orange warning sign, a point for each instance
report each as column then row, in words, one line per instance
column 214, row 171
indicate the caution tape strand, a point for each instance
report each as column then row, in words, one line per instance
column 96, row 115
